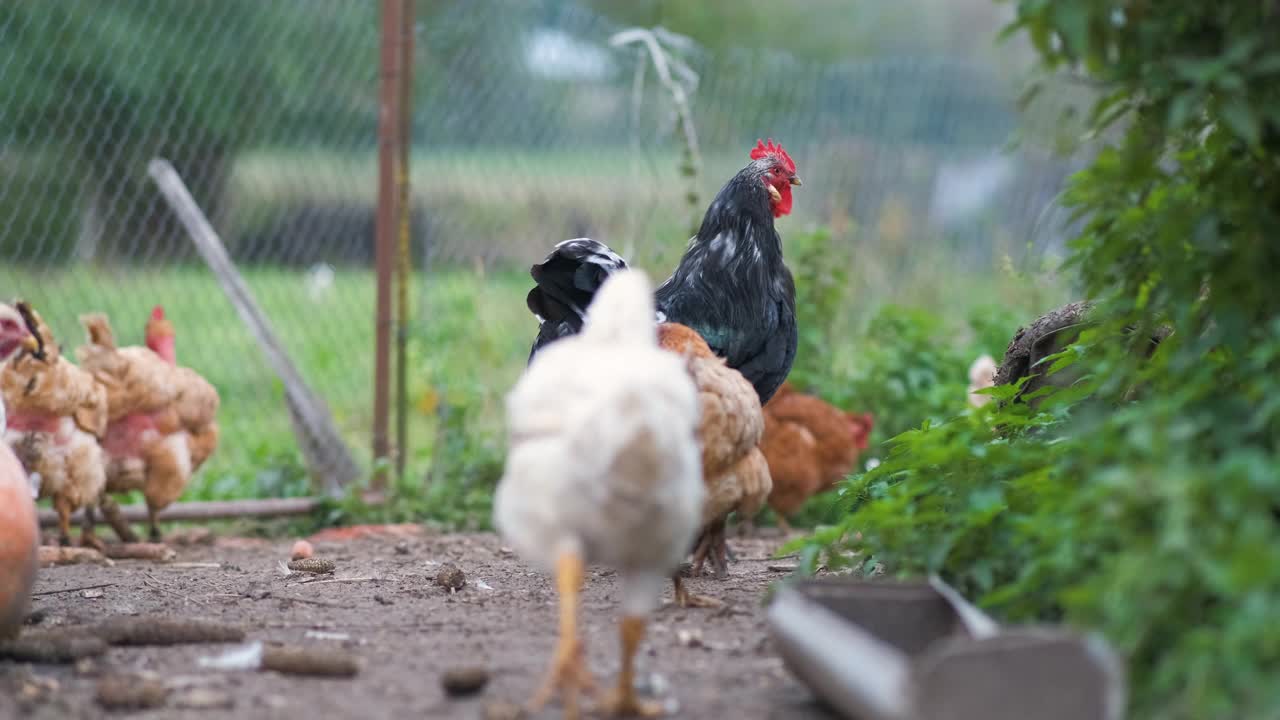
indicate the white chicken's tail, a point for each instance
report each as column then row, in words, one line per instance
column 622, row 310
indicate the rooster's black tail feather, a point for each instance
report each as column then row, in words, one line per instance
column 567, row 280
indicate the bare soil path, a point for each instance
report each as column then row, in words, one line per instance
column 407, row 630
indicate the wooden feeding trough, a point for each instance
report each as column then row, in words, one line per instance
column 883, row 650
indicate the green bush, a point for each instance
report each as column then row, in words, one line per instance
column 1149, row 515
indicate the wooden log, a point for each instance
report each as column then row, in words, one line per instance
column 277, row 507
column 50, row 555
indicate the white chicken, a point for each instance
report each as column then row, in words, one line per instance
column 603, row 467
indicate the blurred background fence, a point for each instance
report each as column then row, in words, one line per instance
column 528, row 127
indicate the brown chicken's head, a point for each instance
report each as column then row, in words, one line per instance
column 14, row 333
column 860, row 427
column 778, row 172
column 160, row 335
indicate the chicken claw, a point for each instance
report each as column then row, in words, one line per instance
column 111, row 511
column 153, row 521
column 622, row 700
column 686, row 599
column 712, row 545
column 568, row 674
column 87, row 537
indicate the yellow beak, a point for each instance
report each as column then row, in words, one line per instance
column 773, row 193
column 30, row 344
column 795, row 180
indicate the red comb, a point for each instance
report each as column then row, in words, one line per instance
column 761, row 149
column 157, row 312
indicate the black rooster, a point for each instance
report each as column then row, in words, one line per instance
column 731, row 286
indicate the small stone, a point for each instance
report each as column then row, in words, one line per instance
column 461, row 682
column 402, row 548
column 383, row 600
column 689, row 638
column 451, row 578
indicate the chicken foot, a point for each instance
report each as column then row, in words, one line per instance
column 568, row 674
column 715, row 546
column 88, row 538
column 686, row 599
column 622, row 700
column 154, row 522
column 62, row 506
column 111, row 511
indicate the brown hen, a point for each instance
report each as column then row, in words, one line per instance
column 57, row 413
column 810, row 446
column 730, row 428
column 161, row 419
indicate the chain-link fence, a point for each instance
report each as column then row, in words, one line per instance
column 528, row 128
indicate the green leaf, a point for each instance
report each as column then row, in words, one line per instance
column 1180, row 109
column 1239, row 117
column 1072, row 22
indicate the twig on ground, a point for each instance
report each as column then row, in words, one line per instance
column 71, row 589
column 151, row 581
column 308, row 601
column 140, row 551
column 339, row 580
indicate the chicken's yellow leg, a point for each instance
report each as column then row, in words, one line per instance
column 622, row 700
column 568, row 671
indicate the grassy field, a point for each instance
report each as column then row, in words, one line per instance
column 468, row 343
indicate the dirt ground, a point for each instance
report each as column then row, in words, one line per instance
column 407, row 630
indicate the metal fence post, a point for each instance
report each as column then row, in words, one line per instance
column 389, row 117
column 404, row 261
